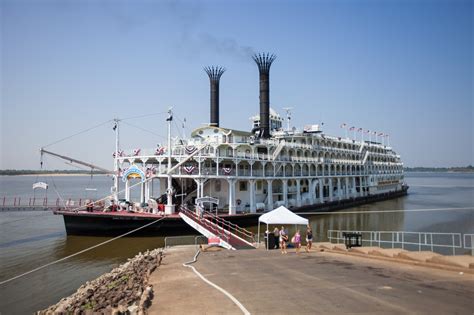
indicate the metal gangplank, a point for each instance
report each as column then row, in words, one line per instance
column 231, row 235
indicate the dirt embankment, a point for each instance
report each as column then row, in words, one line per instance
column 124, row 290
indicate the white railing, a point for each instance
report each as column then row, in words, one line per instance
column 468, row 244
column 397, row 239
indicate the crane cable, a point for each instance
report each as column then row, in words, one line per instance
column 78, row 133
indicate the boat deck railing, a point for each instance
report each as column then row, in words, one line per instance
column 434, row 241
column 27, row 203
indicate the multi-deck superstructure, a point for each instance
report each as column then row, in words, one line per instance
column 262, row 168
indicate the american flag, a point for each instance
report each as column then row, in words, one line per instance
column 160, row 150
column 226, row 170
column 120, row 153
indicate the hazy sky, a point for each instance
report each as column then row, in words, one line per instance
column 400, row 67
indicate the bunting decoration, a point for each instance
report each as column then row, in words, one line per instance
column 136, row 152
column 352, row 128
column 367, row 131
column 189, row 169
column 226, row 170
column 190, row 149
column 343, row 125
column 359, row 130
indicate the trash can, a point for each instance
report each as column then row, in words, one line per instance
column 269, row 241
column 352, row 239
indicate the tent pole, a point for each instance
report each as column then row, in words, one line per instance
column 258, row 236
column 267, row 235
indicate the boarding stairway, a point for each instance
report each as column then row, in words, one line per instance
column 211, row 226
column 278, row 149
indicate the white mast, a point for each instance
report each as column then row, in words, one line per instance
column 288, row 117
column 170, row 207
column 116, row 168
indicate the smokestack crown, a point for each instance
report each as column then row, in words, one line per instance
column 264, row 61
column 214, row 72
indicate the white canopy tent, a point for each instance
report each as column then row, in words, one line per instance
column 280, row 215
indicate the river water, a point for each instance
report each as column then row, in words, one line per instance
column 29, row 239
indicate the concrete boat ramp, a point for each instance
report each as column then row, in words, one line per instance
column 328, row 282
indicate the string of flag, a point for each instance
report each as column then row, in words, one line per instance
column 384, row 137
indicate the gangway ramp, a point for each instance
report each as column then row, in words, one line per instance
column 210, row 225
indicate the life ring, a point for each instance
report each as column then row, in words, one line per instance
column 239, row 202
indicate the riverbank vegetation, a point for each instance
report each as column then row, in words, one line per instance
column 465, row 169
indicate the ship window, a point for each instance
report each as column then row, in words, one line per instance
column 243, row 186
column 259, row 185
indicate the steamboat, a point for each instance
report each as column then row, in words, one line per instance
column 248, row 172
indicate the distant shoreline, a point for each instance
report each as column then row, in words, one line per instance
column 467, row 169
column 48, row 173
column 56, row 174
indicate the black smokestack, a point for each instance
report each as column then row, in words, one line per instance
column 264, row 61
column 214, row 73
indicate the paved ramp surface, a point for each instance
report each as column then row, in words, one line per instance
column 267, row 282
column 178, row 290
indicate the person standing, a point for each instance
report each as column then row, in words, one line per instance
column 297, row 241
column 283, row 238
column 276, row 234
column 309, row 238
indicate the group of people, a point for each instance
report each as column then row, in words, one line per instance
column 282, row 237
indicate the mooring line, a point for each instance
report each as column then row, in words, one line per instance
column 230, row 296
column 386, row 211
column 80, row 252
